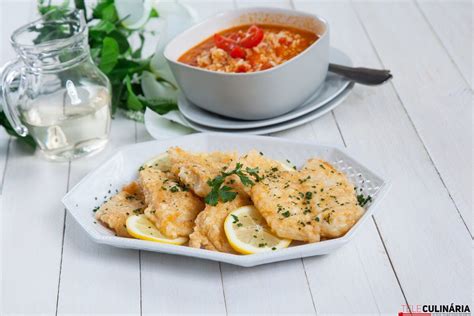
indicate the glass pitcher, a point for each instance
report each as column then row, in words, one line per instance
column 54, row 92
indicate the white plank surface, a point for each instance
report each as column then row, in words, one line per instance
column 30, row 258
column 452, row 23
column 376, row 128
column 110, row 277
column 433, row 92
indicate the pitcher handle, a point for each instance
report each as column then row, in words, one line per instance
column 12, row 70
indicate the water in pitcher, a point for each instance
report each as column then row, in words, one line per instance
column 66, row 125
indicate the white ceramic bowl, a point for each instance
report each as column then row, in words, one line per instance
column 257, row 95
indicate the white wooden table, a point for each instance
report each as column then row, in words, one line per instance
column 416, row 250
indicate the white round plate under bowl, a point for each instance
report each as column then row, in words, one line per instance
column 280, row 126
column 331, row 88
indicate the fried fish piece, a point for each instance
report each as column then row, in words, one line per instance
column 195, row 169
column 280, row 198
column 316, row 202
column 171, row 207
column 209, row 230
column 336, row 204
column 256, row 166
column 118, row 208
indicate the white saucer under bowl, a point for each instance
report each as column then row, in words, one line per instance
column 280, row 126
column 331, row 88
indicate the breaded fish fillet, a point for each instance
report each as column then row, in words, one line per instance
column 195, row 169
column 336, row 202
column 118, row 208
column 280, row 198
column 209, row 230
column 171, row 207
column 257, row 167
column 316, row 202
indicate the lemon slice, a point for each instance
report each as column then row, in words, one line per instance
column 248, row 233
column 141, row 228
column 134, row 13
column 160, row 162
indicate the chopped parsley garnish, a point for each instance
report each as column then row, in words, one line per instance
column 254, row 173
column 225, row 193
column 235, row 218
column 141, row 168
column 308, row 195
column 304, row 180
column 174, row 189
column 286, row 214
column 363, row 200
column 137, row 211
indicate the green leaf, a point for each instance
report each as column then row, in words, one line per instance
column 126, row 67
column 121, row 39
column 160, row 106
column 254, row 172
column 99, row 8
column 109, row 13
column 132, row 100
column 154, row 13
column 226, row 195
column 102, row 26
column 212, row 198
column 109, row 54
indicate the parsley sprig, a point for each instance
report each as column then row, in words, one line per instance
column 224, row 193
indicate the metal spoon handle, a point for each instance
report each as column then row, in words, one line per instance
column 361, row 75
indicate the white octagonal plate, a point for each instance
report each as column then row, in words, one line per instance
column 122, row 168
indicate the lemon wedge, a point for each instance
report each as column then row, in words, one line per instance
column 248, row 233
column 141, row 228
column 160, row 162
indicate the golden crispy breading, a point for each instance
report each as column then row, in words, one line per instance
column 280, row 198
column 317, row 201
column 118, row 208
column 259, row 167
column 209, row 230
column 336, row 203
column 170, row 207
column 195, row 169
